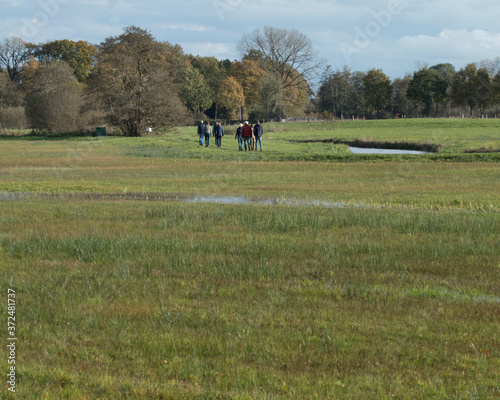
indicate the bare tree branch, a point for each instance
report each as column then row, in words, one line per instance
column 288, row 54
column 14, row 53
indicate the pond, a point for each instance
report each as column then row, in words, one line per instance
column 359, row 150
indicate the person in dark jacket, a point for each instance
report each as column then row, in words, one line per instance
column 246, row 134
column 201, row 131
column 218, row 133
column 258, row 131
column 207, row 131
column 238, row 136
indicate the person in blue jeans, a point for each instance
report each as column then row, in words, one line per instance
column 238, row 136
column 218, row 133
column 258, row 131
column 246, row 134
column 201, row 131
column 207, row 132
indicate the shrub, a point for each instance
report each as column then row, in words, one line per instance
column 54, row 99
column 13, row 118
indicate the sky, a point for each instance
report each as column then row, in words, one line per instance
column 397, row 36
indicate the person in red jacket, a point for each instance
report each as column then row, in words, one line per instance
column 246, row 134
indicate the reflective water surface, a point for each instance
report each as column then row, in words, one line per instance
column 359, row 150
column 170, row 197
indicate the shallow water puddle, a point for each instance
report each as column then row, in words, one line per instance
column 169, row 197
column 360, row 150
column 268, row 202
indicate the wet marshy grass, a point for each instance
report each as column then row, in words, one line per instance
column 183, row 300
column 152, row 268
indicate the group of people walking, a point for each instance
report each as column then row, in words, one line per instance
column 249, row 136
column 205, row 131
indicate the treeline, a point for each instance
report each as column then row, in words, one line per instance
column 132, row 81
column 436, row 91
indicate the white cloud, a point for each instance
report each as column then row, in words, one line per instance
column 206, row 49
column 432, row 31
column 99, row 3
column 13, row 3
column 126, row 7
column 452, row 14
column 185, row 27
column 452, row 45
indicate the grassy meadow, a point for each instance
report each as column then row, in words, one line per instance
column 344, row 277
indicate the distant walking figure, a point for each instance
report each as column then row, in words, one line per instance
column 246, row 134
column 258, row 131
column 201, row 131
column 218, row 133
column 207, row 131
column 238, row 136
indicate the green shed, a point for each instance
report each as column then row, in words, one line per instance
column 100, row 131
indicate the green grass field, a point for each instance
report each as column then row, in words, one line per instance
column 345, row 277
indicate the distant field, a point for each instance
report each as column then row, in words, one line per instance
column 112, row 166
column 346, row 277
column 286, row 141
column 452, row 136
